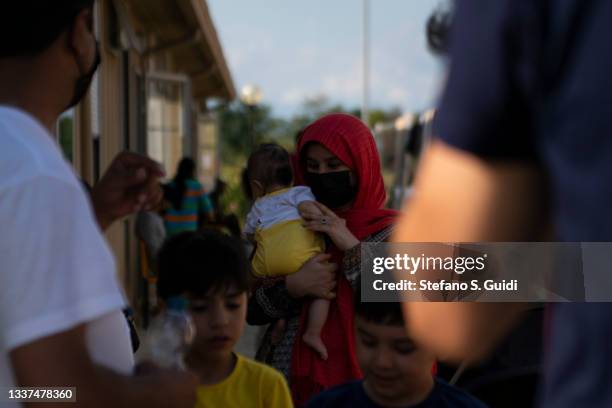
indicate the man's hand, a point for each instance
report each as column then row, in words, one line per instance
column 130, row 184
column 179, row 387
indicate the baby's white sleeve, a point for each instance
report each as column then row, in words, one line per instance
column 251, row 221
column 301, row 194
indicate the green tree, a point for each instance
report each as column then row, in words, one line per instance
column 238, row 122
column 376, row 116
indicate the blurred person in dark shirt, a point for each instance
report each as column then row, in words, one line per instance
column 523, row 136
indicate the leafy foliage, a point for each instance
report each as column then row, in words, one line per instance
column 239, row 123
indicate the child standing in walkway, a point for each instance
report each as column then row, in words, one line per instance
column 397, row 372
column 211, row 271
column 283, row 244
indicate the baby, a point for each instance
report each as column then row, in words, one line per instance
column 283, row 244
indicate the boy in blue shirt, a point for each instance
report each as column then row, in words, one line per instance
column 397, row 373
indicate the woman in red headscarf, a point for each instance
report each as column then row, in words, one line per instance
column 339, row 161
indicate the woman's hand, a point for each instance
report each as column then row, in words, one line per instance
column 326, row 221
column 317, row 278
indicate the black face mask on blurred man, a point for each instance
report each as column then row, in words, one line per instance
column 84, row 81
column 332, row 189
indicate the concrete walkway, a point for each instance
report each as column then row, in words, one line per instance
column 247, row 345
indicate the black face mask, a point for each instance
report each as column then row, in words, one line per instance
column 332, row 189
column 82, row 84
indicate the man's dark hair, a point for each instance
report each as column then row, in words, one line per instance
column 270, row 164
column 385, row 313
column 196, row 263
column 28, row 27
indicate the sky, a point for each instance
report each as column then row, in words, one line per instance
column 297, row 49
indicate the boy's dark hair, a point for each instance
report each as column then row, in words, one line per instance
column 28, row 27
column 196, row 263
column 270, row 164
column 386, row 313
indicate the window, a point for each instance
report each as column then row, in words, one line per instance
column 166, row 129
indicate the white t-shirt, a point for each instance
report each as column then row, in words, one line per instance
column 277, row 207
column 56, row 270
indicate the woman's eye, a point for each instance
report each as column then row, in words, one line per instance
column 233, row 306
column 311, row 166
column 335, row 164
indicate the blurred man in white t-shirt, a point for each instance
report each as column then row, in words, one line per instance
column 60, row 303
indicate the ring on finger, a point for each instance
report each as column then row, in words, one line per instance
column 324, row 220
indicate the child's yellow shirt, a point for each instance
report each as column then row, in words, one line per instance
column 250, row 385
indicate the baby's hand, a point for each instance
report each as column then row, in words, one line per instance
column 308, row 209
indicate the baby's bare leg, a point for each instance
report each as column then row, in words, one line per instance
column 317, row 316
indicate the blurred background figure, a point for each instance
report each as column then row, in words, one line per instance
column 151, row 231
column 221, row 220
column 526, row 78
column 188, row 206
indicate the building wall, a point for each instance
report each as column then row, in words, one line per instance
column 111, row 130
column 117, row 110
column 207, row 152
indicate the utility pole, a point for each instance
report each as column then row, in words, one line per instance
column 366, row 62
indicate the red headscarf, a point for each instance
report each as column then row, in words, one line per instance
column 352, row 142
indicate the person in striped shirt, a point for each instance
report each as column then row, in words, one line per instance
column 188, row 204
